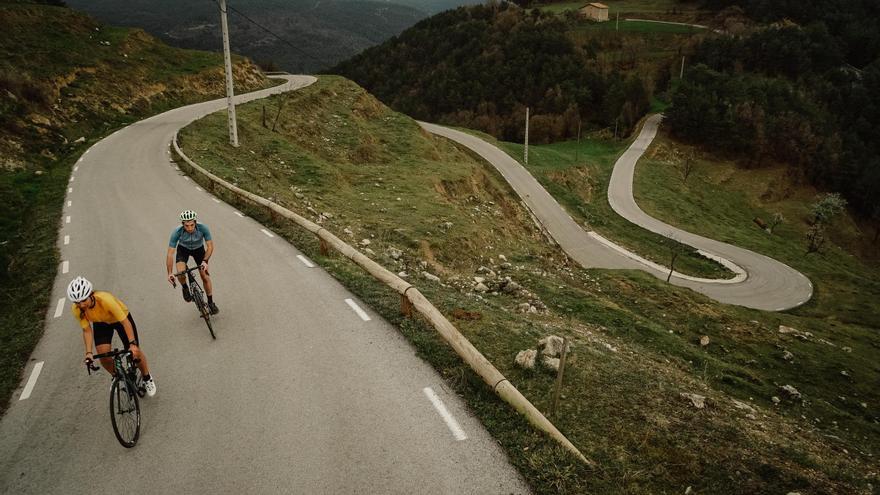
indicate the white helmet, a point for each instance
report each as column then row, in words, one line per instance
column 79, row 289
column 187, row 215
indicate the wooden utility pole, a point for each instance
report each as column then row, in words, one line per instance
column 230, row 93
column 526, row 150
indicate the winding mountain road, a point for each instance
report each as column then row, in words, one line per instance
column 305, row 390
column 760, row 282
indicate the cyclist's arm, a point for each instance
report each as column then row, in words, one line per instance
column 169, row 261
column 209, row 249
column 129, row 331
column 88, row 339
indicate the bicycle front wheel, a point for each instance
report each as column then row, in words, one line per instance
column 199, row 299
column 125, row 413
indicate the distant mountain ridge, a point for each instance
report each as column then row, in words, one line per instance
column 318, row 33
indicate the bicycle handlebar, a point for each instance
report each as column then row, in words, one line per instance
column 188, row 269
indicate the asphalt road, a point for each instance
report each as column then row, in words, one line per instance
column 760, row 282
column 298, row 394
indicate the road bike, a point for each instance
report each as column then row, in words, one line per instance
column 125, row 390
column 198, row 297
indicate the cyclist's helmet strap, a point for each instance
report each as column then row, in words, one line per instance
column 79, row 289
column 187, row 215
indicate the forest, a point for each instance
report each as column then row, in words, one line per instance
column 802, row 89
column 481, row 66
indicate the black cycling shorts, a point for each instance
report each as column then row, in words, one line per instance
column 183, row 254
column 103, row 332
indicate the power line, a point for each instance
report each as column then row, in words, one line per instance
column 255, row 23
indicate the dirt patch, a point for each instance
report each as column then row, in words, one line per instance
column 576, row 179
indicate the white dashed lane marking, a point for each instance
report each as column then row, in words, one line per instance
column 239, row 214
column 70, row 189
column 68, row 219
column 59, row 307
column 357, row 309
column 66, row 240
column 215, row 200
column 199, row 189
column 267, row 232
column 65, row 266
column 69, row 203
column 305, row 261
column 71, row 179
column 76, row 168
column 35, row 373
column 453, row 425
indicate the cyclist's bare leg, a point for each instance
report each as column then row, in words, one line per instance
column 142, row 361
column 107, row 363
column 181, row 266
column 206, row 279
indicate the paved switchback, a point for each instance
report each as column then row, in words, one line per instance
column 760, row 282
column 298, row 394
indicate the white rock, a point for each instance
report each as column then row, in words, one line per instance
column 551, row 345
column 523, row 307
column 697, row 400
column 481, row 287
column 502, row 257
column 402, row 275
column 787, row 356
column 742, row 405
column 431, row 277
column 776, row 400
column 526, row 359
column 704, row 340
column 365, row 242
column 791, row 392
column 551, row 362
column 81, row 139
column 395, row 253
column 479, row 280
column 348, row 231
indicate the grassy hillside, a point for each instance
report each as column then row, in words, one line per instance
column 66, row 81
column 365, row 172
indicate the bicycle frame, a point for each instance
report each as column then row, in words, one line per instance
column 198, row 297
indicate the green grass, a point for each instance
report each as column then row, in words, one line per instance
column 720, row 201
column 636, row 339
column 97, row 89
column 638, row 27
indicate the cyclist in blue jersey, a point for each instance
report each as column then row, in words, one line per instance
column 191, row 239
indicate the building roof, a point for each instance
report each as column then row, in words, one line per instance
column 597, row 5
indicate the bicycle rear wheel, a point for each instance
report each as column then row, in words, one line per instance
column 125, row 413
column 199, row 299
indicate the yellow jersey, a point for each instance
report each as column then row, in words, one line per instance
column 108, row 309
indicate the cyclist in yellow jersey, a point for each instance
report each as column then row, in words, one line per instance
column 100, row 314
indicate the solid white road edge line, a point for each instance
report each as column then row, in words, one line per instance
column 29, row 387
column 267, row 232
column 65, row 266
column 453, row 425
column 357, row 309
column 59, row 307
column 305, row 261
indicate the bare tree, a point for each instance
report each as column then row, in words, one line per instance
column 826, row 207
column 675, row 249
column 777, row 219
column 687, row 167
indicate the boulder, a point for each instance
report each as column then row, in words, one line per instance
column 551, row 345
column 697, row 401
column 526, row 359
column 431, row 277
